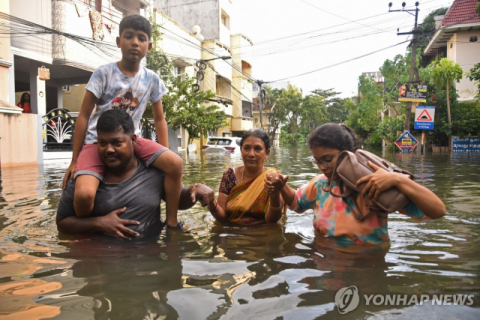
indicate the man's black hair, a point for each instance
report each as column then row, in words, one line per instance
column 136, row 22
column 114, row 120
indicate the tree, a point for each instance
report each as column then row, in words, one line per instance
column 336, row 112
column 426, row 29
column 288, row 108
column 313, row 113
column 474, row 75
column 328, row 95
column 182, row 107
column 335, row 106
column 389, row 128
column 365, row 115
column 275, row 115
column 444, row 73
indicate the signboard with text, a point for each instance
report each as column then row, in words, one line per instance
column 466, row 144
column 406, row 142
column 424, row 116
column 412, row 92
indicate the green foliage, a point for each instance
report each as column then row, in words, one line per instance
column 275, row 115
column 291, row 139
column 328, row 95
column 426, row 27
column 156, row 58
column 336, row 112
column 390, row 129
column 299, row 115
column 183, row 107
column 313, row 112
column 364, row 116
column 288, row 107
column 466, row 119
column 474, row 75
column 445, row 72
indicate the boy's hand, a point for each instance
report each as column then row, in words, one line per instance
column 69, row 174
column 112, row 225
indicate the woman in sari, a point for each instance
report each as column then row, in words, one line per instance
column 242, row 198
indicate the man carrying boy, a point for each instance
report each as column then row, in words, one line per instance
column 130, row 193
column 125, row 80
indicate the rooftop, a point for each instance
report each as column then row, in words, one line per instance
column 461, row 11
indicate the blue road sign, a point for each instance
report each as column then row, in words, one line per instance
column 406, row 142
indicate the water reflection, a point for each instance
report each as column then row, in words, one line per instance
column 229, row 271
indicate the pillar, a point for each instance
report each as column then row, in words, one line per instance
column 38, row 104
column 59, row 97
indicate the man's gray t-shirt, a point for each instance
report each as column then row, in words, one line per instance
column 141, row 194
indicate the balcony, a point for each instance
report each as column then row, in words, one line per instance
column 224, row 35
column 224, row 104
column 247, row 90
column 242, row 124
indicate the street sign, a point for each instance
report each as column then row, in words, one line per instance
column 406, row 142
column 424, row 117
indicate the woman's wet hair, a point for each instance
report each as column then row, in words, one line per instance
column 114, row 120
column 334, row 136
column 257, row 133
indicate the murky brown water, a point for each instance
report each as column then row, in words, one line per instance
column 237, row 272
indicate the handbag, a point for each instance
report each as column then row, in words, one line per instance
column 43, row 73
column 350, row 167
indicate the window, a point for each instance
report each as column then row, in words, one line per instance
column 225, row 19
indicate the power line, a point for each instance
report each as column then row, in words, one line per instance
column 336, row 64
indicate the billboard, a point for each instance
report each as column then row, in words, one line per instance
column 412, row 92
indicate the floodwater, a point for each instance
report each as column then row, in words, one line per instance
column 280, row 271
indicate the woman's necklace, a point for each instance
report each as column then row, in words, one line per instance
column 243, row 173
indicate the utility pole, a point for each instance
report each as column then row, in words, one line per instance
column 413, row 69
column 261, row 92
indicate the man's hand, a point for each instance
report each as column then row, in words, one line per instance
column 112, row 225
column 200, row 192
column 69, row 174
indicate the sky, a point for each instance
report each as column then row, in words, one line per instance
column 292, row 37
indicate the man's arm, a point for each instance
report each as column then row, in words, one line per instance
column 81, row 124
column 109, row 224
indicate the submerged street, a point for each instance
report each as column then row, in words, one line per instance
column 229, row 271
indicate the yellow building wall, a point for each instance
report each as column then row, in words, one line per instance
column 72, row 100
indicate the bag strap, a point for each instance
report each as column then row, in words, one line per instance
column 358, row 215
column 334, row 172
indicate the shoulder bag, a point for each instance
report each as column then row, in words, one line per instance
column 350, row 167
